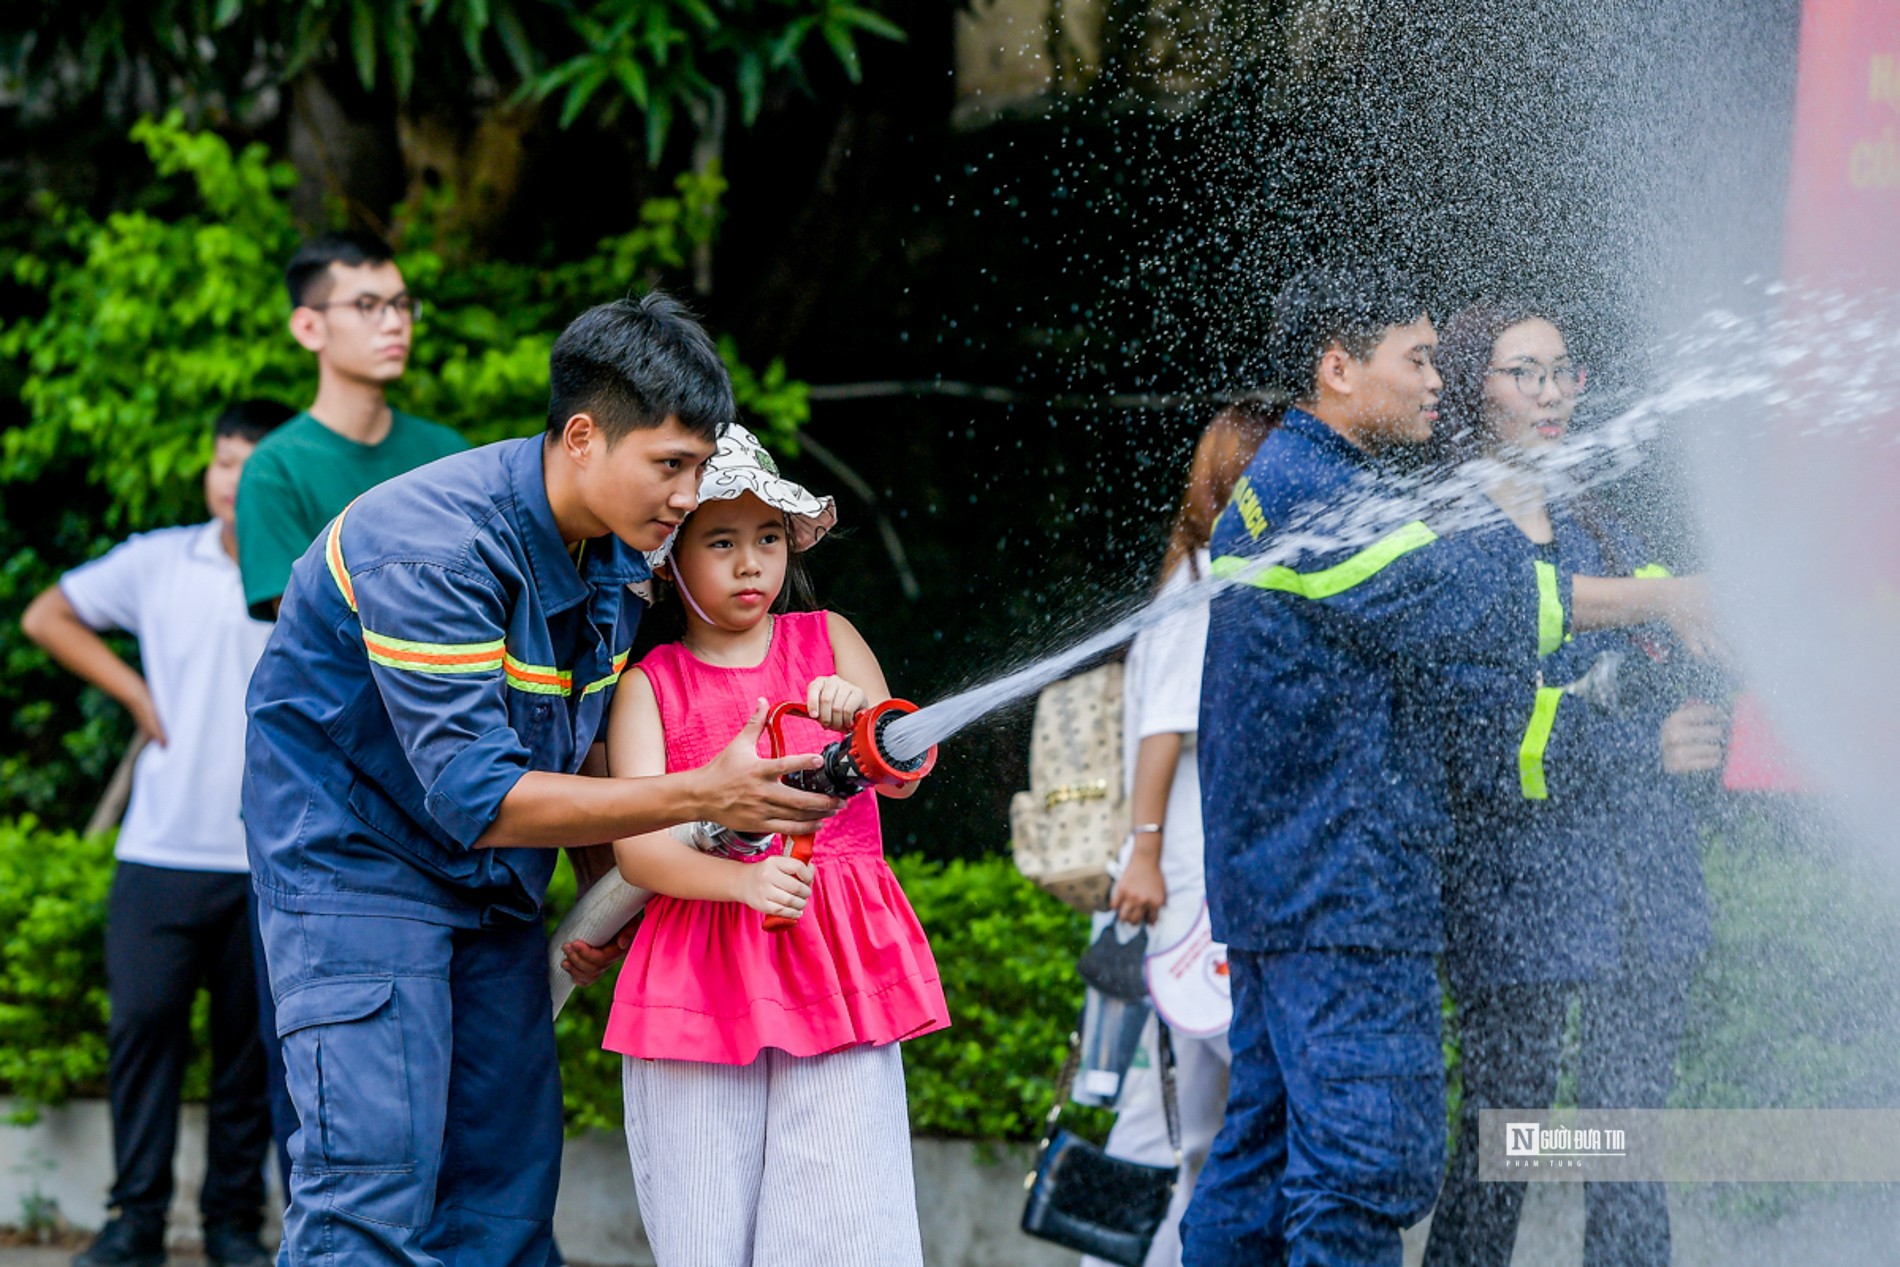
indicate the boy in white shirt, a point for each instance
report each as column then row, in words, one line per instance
column 178, row 913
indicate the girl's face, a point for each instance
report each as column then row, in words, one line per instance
column 1530, row 387
column 731, row 557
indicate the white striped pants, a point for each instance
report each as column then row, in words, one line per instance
column 790, row 1161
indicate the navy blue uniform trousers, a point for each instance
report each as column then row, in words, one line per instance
column 1512, row 1039
column 421, row 1061
column 1335, row 1132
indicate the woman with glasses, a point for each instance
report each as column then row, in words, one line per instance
column 1587, row 890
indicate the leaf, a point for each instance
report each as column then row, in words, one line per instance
column 750, row 75
column 633, row 81
column 363, row 41
column 583, row 90
column 402, row 52
column 228, row 12
column 785, row 48
column 659, row 123
column 514, row 40
column 845, row 48
column 875, row 23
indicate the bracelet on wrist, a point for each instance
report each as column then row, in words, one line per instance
column 1146, row 829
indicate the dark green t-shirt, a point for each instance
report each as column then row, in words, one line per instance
column 301, row 476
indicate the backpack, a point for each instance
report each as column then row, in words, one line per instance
column 1069, row 826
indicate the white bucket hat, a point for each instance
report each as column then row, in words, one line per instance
column 741, row 465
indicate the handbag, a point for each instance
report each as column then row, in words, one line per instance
column 1115, row 967
column 1069, row 826
column 1084, row 1199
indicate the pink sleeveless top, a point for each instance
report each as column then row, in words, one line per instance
column 704, row 980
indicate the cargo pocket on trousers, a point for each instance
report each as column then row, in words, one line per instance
column 1379, row 1126
column 343, row 1055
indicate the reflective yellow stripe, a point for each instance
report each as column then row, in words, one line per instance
column 620, row 666
column 537, row 679
column 1550, row 609
column 1652, row 572
column 1336, row 579
column 333, row 555
column 1530, row 752
column 1247, row 502
column 433, row 657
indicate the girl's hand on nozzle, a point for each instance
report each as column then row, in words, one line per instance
column 779, row 885
column 741, row 789
column 834, row 703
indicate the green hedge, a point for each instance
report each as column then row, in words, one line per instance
column 1006, row 952
column 1797, row 1004
column 52, row 962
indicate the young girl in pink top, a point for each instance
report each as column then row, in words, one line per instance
column 765, row 1107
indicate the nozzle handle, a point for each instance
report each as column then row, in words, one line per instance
column 799, row 847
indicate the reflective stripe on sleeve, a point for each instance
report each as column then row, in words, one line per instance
column 601, row 684
column 1550, row 609
column 1336, row 579
column 1530, row 752
column 433, row 657
column 333, row 555
column 537, row 679
column 1652, row 572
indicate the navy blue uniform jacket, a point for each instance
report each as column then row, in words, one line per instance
column 1328, row 667
column 436, row 643
column 1561, row 887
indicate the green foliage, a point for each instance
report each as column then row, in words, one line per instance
column 152, row 322
column 1797, row 1004
column 152, row 319
column 1006, row 952
column 665, row 58
column 53, row 889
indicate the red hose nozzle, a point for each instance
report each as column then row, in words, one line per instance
column 851, row 764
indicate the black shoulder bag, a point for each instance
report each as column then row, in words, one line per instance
column 1081, row 1197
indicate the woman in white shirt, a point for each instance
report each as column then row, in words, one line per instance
column 1162, row 882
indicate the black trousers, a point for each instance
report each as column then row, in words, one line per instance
column 283, row 1114
column 167, row 932
column 1511, row 1039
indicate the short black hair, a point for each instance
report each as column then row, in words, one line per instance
column 1350, row 306
column 308, row 273
column 633, row 364
column 251, row 419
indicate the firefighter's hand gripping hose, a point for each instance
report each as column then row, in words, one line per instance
column 597, row 918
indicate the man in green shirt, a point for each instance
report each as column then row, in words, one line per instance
column 351, row 310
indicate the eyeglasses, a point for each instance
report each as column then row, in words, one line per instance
column 1530, row 378
column 374, row 307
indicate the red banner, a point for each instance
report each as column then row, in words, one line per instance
column 1832, row 506
column 1844, row 181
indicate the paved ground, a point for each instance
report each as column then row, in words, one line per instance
column 1850, row 1226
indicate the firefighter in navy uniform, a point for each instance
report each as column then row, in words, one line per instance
column 1328, row 668
column 440, row 668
